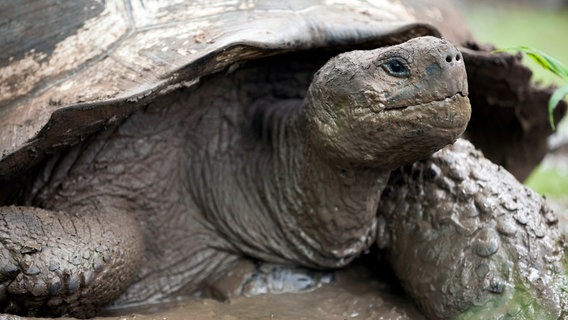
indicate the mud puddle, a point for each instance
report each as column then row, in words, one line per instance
column 354, row 294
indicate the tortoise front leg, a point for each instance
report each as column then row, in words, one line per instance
column 61, row 263
column 466, row 238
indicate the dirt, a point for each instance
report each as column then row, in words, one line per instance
column 355, row 294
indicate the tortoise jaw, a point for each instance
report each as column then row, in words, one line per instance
column 407, row 134
column 451, row 113
column 381, row 107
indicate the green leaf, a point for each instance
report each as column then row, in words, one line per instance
column 549, row 63
column 543, row 59
column 556, row 97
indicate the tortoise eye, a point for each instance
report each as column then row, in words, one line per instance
column 396, row 67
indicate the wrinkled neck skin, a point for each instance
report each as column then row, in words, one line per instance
column 333, row 207
column 277, row 200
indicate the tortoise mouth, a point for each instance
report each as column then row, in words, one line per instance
column 451, row 113
column 448, row 98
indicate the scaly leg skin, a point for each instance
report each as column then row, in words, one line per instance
column 250, row 278
column 56, row 263
column 468, row 241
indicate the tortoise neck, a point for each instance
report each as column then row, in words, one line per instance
column 273, row 197
column 327, row 212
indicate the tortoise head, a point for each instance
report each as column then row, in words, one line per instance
column 388, row 106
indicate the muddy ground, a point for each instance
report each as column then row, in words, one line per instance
column 354, row 294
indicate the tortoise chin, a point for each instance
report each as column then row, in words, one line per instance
column 415, row 132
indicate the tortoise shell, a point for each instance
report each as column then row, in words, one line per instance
column 70, row 69
column 73, row 68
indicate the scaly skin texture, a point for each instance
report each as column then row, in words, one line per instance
column 51, row 260
column 465, row 237
column 251, row 163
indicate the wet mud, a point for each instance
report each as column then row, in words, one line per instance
column 355, row 294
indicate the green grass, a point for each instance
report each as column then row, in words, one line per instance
column 549, row 181
column 509, row 27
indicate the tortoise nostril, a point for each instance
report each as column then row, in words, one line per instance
column 448, row 58
column 458, row 57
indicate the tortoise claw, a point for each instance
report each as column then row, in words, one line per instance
column 250, row 278
column 48, row 266
column 276, row 278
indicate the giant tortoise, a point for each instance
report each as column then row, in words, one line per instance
column 149, row 147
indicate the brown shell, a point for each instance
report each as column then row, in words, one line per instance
column 69, row 68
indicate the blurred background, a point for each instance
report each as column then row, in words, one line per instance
column 541, row 24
